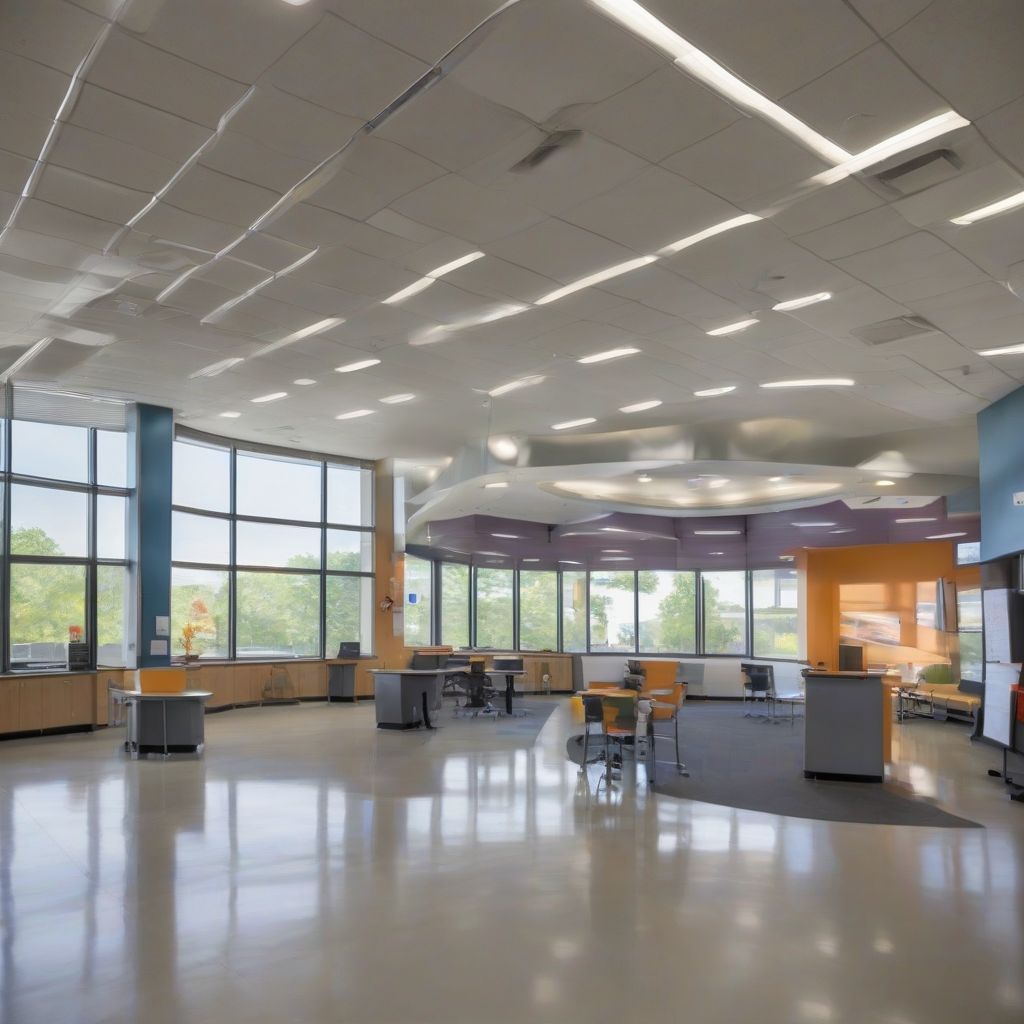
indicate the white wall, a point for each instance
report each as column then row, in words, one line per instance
column 721, row 675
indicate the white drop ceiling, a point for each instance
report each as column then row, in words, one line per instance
column 659, row 158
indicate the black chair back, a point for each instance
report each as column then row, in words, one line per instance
column 592, row 709
column 508, row 664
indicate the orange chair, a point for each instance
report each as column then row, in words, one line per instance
column 621, row 714
column 659, row 675
column 666, row 708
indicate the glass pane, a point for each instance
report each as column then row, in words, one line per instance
column 114, row 617
column 668, row 612
column 291, row 547
column 199, row 612
column 725, row 612
column 202, row 477
column 417, row 602
column 494, row 608
column 50, row 450
column 111, row 526
column 971, row 656
column 112, row 458
column 278, row 488
column 47, row 606
column 574, row 611
column 968, row 608
column 45, row 521
column 349, row 613
column 611, row 611
column 350, row 495
column 776, row 629
column 454, row 604
column 538, row 611
column 200, row 539
column 349, row 551
column 278, row 615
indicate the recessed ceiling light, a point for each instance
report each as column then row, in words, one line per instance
column 569, row 424
column 493, row 554
column 307, row 332
column 613, row 529
column 568, row 561
column 396, row 399
column 355, row 414
column 716, row 552
column 714, row 392
column 776, row 479
column 272, row 397
column 230, row 415
column 917, row 519
column 812, row 524
column 514, row 385
column 462, row 261
column 644, row 478
column 720, row 482
column 641, row 406
column 847, row 530
column 812, row 382
column 296, row 3
column 506, row 536
column 1006, row 350
column 786, row 558
column 257, row 288
column 215, row 369
column 425, row 282
column 740, row 325
column 700, row 236
column 495, row 485
column 717, row 533
column 945, row 536
column 602, row 275
column 885, row 483
column 807, row 300
column 362, row 364
column 304, row 382
column 612, row 353
column 1009, row 203
column 618, row 558
column 613, row 551
column 529, row 559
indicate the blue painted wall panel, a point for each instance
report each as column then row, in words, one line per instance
column 1001, row 471
column 155, row 432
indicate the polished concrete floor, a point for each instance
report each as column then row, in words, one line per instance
column 309, row 868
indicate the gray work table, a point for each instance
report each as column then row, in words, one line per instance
column 404, row 697
column 164, row 723
column 844, row 725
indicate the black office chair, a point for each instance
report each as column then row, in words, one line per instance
column 593, row 712
column 455, row 683
column 758, row 684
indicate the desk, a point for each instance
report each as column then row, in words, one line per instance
column 404, row 697
column 164, row 723
column 846, row 717
column 341, row 679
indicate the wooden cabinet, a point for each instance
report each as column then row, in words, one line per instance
column 10, row 706
column 47, row 702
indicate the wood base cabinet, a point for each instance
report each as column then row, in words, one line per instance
column 47, row 702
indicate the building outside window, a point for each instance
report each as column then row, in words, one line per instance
column 724, row 596
column 272, row 553
column 494, row 608
column 668, row 612
column 418, row 603
column 538, row 611
column 775, row 617
column 454, row 604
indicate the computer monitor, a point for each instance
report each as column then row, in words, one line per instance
column 348, row 649
column 851, row 658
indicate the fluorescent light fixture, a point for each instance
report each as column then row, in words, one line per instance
column 1009, row 203
column 569, row 424
column 720, row 482
column 230, row 415
column 514, row 385
column 506, row 536
column 807, row 300
column 296, row 3
column 407, row 293
column 641, row 406
column 714, row 392
column 362, row 364
column 716, row 552
column 529, row 559
column 618, row 558
column 612, row 353
column 644, row 478
column 812, row 524
column 397, row 399
column 307, row 332
column 568, row 561
column 215, row 369
column 917, row 519
column 614, row 529
column 425, row 282
column 885, row 483
column 717, row 533
column 272, row 397
column 776, row 479
column 239, row 299
column 945, row 536
column 613, row 551
column 602, row 275
column 848, row 529
column 786, row 558
column 355, row 414
column 495, row 485
column 493, row 554
column 812, row 382
column 898, row 143
column 304, row 382
column 740, row 325
column 700, row 236
column 1006, row 350
column 699, row 65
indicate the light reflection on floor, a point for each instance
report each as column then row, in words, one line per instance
column 309, row 868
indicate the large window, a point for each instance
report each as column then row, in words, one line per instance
column 574, row 611
column 417, row 602
column 538, row 611
column 725, row 612
column 494, row 610
column 454, row 604
column 972, row 652
column 668, row 612
column 613, row 611
column 775, row 626
column 272, row 552
column 67, row 483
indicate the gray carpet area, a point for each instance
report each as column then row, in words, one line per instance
column 749, row 763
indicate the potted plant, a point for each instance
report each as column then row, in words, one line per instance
column 197, row 626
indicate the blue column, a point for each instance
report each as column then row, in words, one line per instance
column 155, row 441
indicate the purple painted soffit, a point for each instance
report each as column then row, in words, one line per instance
column 632, row 541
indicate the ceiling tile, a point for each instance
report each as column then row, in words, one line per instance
column 856, row 234
column 49, row 32
column 208, row 193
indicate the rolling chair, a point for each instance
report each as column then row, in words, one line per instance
column 666, row 708
column 593, row 713
column 758, row 684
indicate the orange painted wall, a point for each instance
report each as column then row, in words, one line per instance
column 897, row 566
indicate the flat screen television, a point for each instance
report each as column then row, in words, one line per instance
column 851, row 658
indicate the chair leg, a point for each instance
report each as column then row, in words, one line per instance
column 586, row 738
column 680, row 767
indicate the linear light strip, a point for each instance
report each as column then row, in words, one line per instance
column 431, row 276
column 601, row 276
column 715, row 229
column 1001, row 206
column 256, row 288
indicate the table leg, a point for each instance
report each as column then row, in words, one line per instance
column 510, row 683
column 163, row 706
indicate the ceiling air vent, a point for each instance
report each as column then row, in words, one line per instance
column 920, row 173
column 899, row 328
column 551, row 145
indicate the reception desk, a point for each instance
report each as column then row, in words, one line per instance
column 847, row 726
column 405, row 697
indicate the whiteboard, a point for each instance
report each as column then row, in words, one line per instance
column 998, row 721
column 996, row 614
